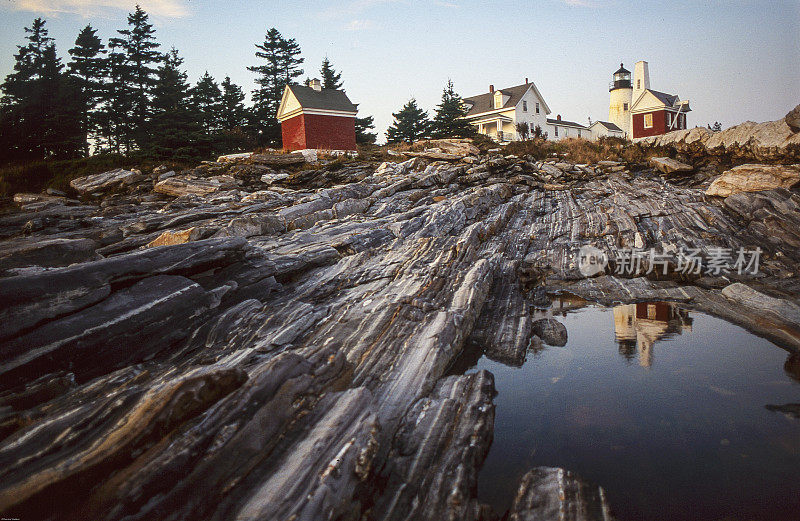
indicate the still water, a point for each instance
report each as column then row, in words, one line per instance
column 670, row 411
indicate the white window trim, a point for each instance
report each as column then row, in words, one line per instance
column 650, row 115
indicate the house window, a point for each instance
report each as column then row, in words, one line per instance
column 524, row 106
column 648, row 121
column 638, row 84
column 498, row 100
column 556, row 131
column 537, row 108
column 669, row 119
column 579, row 133
column 624, row 106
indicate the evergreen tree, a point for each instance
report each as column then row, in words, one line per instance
column 116, row 108
column 447, row 123
column 174, row 130
column 410, row 124
column 206, row 100
column 141, row 60
column 281, row 67
column 232, row 109
column 40, row 110
column 330, row 78
column 363, row 127
column 88, row 67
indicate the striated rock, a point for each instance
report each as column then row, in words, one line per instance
column 792, row 119
column 277, row 159
column 670, row 166
column 434, row 156
column 181, row 186
column 754, row 178
column 106, row 181
column 49, row 253
column 309, row 361
column 554, row 493
column 169, row 238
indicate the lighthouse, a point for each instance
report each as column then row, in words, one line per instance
column 621, row 92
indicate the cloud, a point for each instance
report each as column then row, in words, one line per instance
column 86, row 8
column 359, row 25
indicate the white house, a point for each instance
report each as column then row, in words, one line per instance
column 605, row 129
column 558, row 129
column 497, row 112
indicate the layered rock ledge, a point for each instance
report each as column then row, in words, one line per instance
column 260, row 339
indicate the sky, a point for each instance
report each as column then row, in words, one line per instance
column 735, row 60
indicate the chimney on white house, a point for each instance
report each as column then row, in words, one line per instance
column 315, row 84
column 491, row 88
column 641, row 79
column 558, row 117
column 526, row 81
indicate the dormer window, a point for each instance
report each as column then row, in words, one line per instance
column 498, row 99
column 524, row 106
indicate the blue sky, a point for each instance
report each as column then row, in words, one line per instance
column 733, row 59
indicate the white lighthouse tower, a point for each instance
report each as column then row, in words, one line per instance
column 619, row 109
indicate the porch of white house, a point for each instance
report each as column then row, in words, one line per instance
column 499, row 128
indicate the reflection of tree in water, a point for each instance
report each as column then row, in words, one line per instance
column 639, row 326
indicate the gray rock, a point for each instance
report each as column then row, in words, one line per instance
column 551, row 331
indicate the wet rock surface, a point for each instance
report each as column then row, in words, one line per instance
column 215, row 346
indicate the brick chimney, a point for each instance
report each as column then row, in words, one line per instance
column 526, row 81
column 491, row 88
column 315, row 84
column 558, row 117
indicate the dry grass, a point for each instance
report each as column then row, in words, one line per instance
column 583, row 151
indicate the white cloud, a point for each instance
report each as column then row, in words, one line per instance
column 359, row 25
column 163, row 8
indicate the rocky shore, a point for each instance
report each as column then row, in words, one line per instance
column 263, row 338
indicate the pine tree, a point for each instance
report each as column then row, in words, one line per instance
column 174, row 130
column 363, row 126
column 141, row 59
column 88, row 67
column 411, row 123
column 447, row 123
column 330, row 78
column 281, row 67
column 232, row 110
column 40, row 110
column 206, row 101
column 115, row 115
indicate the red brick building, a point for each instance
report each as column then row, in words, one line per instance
column 317, row 118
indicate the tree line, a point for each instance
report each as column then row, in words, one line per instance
column 126, row 96
column 412, row 123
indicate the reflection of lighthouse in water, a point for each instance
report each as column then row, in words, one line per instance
column 639, row 326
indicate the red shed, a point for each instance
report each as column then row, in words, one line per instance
column 313, row 117
column 655, row 113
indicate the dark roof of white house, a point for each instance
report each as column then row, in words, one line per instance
column 609, row 126
column 485, row 102
column 565, row 123
column 325, row 99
